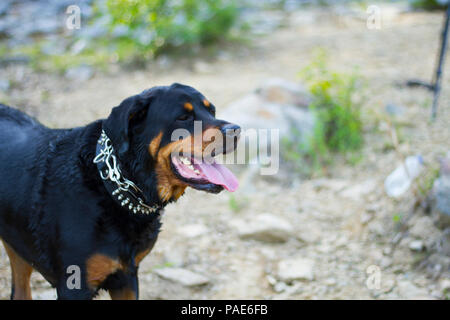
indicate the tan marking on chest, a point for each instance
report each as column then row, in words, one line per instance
column 140, row 256
column 99, row 267
column 122, row 294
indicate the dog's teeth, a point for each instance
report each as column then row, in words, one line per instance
column 185, row 160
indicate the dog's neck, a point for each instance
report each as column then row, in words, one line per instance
column 121, row 188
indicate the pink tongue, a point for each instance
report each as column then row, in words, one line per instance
column 218, row 174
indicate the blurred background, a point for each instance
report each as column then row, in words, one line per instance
column 360, row 206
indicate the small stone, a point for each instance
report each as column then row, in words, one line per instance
column 265, row 228
column 49, row 294
column 394, row 110
column 441, row 190
column 183, row 276
column 4, row 85
column 203, row 67
column 444, row 284
column 385, row 262
column 296, row 269
column 80, row 73
column 272, row 281
column 358, row 191
column 193, row 230
column 280, row 287
column 423, row 228
column 416, row 245
column 409, row 291
column 365, row 218
column 330, row 282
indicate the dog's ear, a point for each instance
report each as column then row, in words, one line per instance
column 117, row 124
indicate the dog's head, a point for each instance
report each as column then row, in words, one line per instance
column 169, row 136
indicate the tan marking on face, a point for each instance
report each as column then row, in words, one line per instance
column 206, row 103
column 178, row 192
column 99, row 267
column 154, row 145
column 188, row 106
column 169, row 186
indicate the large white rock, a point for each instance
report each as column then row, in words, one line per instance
column 182, row 276
column 254, row 112
column 281, row 91
column 264, row 227
column 296, row 269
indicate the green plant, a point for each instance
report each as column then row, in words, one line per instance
column 426, row 181
column 397, row 218
column 134, row 32
column 338, row 127
column 143, row 29
column 427, row 4
column 235, row 204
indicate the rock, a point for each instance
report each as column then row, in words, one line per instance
column 416, row 245
column 4, row 85
column 423, row 228
column 409, row 291
column 356, row 192
column 441, row 190
column 203, row 67
column 264, row 227
column 331, row 282
column 444, row 285
column 185, row 277
column 175, row 255
column 193, row 230
column 281, row 91
column 80, row 73
column 334, row 185
column 280, row 287
column 290, row 121
column 4, row 6
column 49, row 294
column 394, row 110
column 296, row 269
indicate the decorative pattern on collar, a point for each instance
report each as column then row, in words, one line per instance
column 122, row 190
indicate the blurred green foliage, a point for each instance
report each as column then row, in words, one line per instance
column 338, row 127
column 133, row 32
column 427, row 4
column 145, row 28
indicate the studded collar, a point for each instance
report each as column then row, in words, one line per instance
column 123, row 191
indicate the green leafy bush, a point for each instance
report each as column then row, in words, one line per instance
column 427, row 4
column 338, row 127
column 145, row 28
column 135, row 31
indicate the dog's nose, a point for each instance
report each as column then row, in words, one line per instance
column 231, row 130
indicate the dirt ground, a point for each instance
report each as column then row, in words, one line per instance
column 342, row 222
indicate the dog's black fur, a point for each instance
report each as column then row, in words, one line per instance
column 54, row 209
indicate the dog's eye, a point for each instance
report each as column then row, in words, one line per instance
column 185, row 117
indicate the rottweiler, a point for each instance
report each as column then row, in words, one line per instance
column 82, row 206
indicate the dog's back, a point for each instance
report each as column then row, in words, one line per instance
column 21, row 138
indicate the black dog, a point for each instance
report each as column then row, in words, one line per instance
column 86, row 201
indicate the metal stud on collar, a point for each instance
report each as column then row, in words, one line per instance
column 126, row 189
